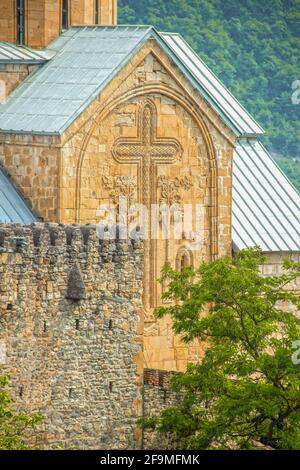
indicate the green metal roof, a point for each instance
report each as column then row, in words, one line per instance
column 14, row 54
column 13, row 208
column 49, row 100
column 85, row 59
column 212, row 88
column 265, row 205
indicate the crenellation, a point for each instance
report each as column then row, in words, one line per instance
column 70, row 324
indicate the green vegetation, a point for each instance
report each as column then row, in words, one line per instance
column 291, row 168
column 252, row 46
column 245, row 393
column 13, row 424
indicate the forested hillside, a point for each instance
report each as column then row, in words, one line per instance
column 254, row 48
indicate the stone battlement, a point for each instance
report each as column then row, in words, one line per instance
column 47, row 236
column 71, row 332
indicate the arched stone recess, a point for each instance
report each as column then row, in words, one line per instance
column 184, row 258
column 175, row 117
column 152, row 146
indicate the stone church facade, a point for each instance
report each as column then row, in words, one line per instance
column 100, row 114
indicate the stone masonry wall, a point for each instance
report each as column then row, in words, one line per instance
column 274, row 267
column 70, row 333
column 33, row 162
column 43, row 18
column 7, row 21
column 158, row 395
column 11, row 75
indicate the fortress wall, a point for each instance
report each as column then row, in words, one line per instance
column 70, row 333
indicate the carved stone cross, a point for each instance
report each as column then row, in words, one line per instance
column 147, row 151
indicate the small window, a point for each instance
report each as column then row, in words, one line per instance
column 65, row 14
column 21, row 22
column 184, row 258
column 184, row 262
column 96, row 11
column 114, row 6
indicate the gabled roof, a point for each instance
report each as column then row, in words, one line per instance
column 13, row 208
column 13, row 54
column 86, row 59
column 213, row 89
column 266, row 206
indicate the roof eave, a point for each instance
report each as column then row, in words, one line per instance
column 20, row 132
column 23, row 62
column 150, row 32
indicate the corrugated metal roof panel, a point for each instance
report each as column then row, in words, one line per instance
column 90, row 56
column 49, row 100
column 12, row 206
column 11, row 53
column 221, row 98
column 266, row 207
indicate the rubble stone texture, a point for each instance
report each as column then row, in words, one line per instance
column 76, row 359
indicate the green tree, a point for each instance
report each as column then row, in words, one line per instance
column 245, row 392
column 13, row 424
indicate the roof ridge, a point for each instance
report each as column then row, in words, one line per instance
column 103, row 47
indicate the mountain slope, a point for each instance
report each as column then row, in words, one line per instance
column 253, row 47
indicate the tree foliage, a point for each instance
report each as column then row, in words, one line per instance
column 291, row 167
column 13, row 424
column 245, row 392
column 252, row 46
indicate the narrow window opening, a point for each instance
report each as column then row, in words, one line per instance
column 21, row 391
column 96, row 11
column 184, row 262
column 113, row 13
column 111, row 386
column 65, row 14
column 110, row 324
column 21, row 22
column 70, row 392
column 45, row 327
column 77, row 325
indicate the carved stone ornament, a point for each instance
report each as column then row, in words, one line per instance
column 170, row 189
column 120, row 186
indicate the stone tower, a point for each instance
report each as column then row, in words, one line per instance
column 35, row 23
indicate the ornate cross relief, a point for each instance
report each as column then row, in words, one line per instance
column 120, row 186
column 147, row 151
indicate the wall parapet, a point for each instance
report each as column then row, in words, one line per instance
column 71, row 333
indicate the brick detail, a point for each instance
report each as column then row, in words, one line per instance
column 158, row 378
